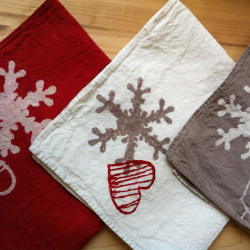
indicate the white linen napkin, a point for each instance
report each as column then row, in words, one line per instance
column 109, row 144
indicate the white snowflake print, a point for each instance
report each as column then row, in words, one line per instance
column 243, row 127
column 14, row 109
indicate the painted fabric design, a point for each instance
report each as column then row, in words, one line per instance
column 125, row 182
column 116, row 133
column 11, row 186
column 212, row 150
column 243, row 127
column 14, row 110
column 132, row 124
column 35, row 86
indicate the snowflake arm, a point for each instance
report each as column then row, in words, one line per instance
column 103, row 137
column 247, row 154
column 232, row 134
column 137, row 100
column 109, row 105
column 156, row 116
column 10, row 84
column 247, row 89
column 33, row 98
column 157, row 145
column 232, row 109
column 30, row 125
column 5, row 139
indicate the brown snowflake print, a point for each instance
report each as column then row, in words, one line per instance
column 132, row 124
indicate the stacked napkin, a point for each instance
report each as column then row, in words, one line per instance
column 109, row 144
column 213, row 149
column 43, row 64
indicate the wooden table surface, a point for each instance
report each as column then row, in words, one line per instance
column 112, row 24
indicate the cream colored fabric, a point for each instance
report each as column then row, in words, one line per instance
column 178, row 65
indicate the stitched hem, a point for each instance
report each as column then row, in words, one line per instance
column 25, row 24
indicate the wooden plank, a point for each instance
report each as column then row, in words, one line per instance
column 112, row 24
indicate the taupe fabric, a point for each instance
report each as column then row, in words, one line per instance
column 213, row 149
column 190, row 186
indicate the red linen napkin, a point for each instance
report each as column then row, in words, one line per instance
column 43, row 64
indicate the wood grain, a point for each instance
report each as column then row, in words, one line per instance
column 112, row 24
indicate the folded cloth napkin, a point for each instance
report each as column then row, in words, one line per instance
column 213, row 149
column 109, row 144
column 43, row 64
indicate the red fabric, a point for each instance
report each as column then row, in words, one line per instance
column 39, row 213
